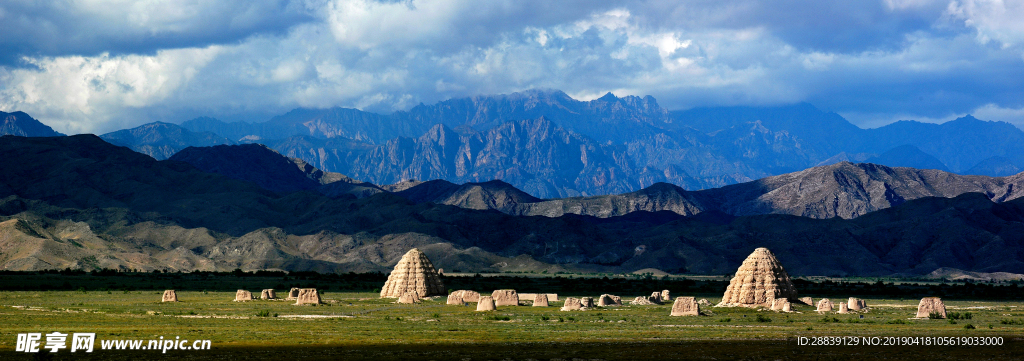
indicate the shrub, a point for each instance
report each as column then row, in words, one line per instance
column 763, row 318
column 725, row 320
column 896, row 322
column 827, row 319
column 935, row 316
column 969, row 327
column 959, row 316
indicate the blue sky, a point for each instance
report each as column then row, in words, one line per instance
column 97, row 66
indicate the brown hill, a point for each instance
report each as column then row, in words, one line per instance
column 844, row 190
column 488, row 195
column 849, row 190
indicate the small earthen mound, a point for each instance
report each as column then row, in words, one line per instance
column 777, row 304
column 170, row 296
column 587, row 302
column 456, row 299
column 665, row 296
column 529, row 296
column 807, row 301
column 758, row 282
column 540, row 300
column 856, row 304
column 243, row 295
column 843, row 308
column 308, row 296
column 409, row 297
column 787, row 307
column 655, row 298
column 929, row 305
column 609, row 300
column 704, row 302
column 293, row 294
column 640, row 301
column 824, row 305
column 685, row 306
column 572, row 304
column 268, row 294
column 486, row 303
column 505, row 298
column 468, row 296
column 413, row 273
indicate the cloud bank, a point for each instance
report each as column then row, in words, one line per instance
column 97, row 66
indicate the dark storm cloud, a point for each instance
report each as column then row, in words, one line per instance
column 62, row 28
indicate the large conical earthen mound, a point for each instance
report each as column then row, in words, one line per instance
column 759, row 282
column 414, row 273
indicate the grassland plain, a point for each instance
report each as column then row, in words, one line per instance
column 354, row 325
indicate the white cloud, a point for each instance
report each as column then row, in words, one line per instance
column 994, row 20
column 79, row 94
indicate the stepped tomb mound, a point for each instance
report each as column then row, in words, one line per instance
column 758, row 282
column 413, row 273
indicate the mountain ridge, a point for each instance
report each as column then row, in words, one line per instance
column 635, row 142
column 79, row 202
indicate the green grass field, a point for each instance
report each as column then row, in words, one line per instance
column 360, row 324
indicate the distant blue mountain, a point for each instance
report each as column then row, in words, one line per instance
column 907, row 156
column 22, row 125
column 162, row 140
column 551, row 145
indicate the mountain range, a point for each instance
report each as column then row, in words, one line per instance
column 526, row 181
column 844, row 189
column 80, row 202
column 551, row 145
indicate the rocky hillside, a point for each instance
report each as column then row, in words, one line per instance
column 535, row 155
column 495, row 195
column 850, row 190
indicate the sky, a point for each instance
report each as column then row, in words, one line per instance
column 92, row 66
